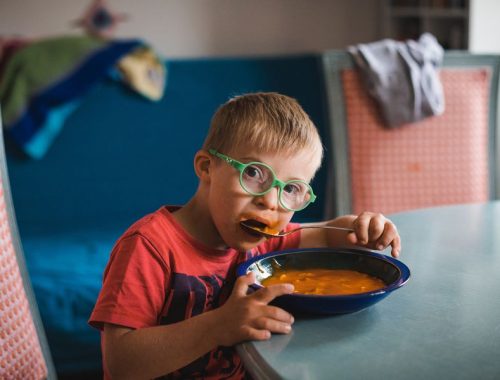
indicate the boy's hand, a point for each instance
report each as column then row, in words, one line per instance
column 249, row 317
column 375, row 231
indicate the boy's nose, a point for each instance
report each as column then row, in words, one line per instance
column 270, row 200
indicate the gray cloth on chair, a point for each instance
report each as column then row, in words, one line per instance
column 402, row 77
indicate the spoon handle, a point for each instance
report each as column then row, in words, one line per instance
column 330, row 227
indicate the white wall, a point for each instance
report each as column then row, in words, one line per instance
column 484, row 28
column 193, row 28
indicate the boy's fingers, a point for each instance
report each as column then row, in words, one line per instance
column 274, row 325
column 269, row 293
column 389, row 237
column 256, row 334
column 242, row 283
column 277, row 314
column 361, row 225
column 376, row 228
column 263, row 332
column 396, row 246
column 352, row 238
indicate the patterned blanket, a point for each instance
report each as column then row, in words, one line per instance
column 43, row 82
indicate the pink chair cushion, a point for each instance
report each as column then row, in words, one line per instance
column 438, row 161
column 20, row 352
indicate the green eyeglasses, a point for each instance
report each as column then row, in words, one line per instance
column 257, row 178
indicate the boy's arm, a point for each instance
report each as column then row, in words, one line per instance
column 156, row 351
column 151, row 352
column 371, row 230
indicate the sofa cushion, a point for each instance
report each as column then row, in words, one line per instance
column 66, row 272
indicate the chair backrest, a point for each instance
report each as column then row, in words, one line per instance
column 24, row 352
column 446, row 159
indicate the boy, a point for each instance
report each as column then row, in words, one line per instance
column 170, row 304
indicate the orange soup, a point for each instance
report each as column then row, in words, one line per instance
column 268, row 230
column 325, row 281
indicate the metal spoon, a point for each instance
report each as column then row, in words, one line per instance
column 261, row 231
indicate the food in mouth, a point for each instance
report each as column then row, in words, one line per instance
column 254, row 226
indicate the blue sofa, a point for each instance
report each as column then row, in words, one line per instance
column 118, row 157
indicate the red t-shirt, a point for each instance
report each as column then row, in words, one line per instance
column 158, row 274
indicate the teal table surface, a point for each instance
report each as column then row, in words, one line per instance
column 443, row 324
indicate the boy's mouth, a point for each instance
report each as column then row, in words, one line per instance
column 249, row 225
column 254, row 227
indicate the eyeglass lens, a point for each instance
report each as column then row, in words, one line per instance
column 258, row 178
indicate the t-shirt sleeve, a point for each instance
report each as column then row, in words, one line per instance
column 133, row 290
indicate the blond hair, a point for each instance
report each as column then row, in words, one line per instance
column 266, row 121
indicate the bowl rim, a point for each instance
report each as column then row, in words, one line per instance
column 403, row 270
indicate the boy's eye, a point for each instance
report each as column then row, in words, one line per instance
column 252, row 171
column 256, row 173
column 293, row 188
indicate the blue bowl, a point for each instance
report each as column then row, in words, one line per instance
column 393, row 272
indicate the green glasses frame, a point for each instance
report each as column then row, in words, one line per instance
column 240, row 166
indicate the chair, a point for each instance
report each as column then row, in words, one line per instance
column 446, row 159
column 24, row 352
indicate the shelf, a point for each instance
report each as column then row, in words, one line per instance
column 448, row 20
column 429, row 12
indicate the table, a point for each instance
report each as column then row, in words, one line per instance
column 443, row 324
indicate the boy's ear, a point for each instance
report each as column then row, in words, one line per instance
column 202, row 162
